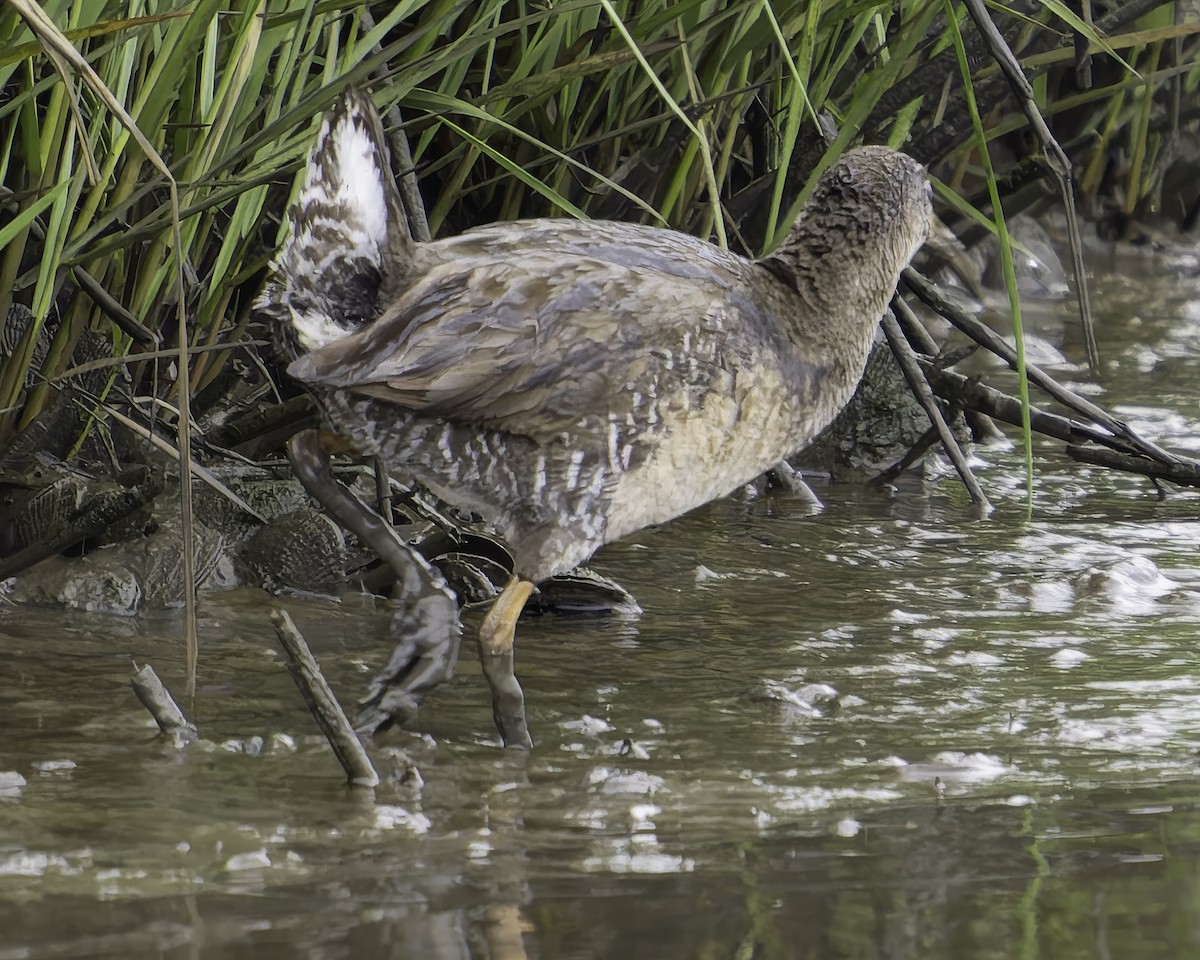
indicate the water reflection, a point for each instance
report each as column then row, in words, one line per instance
column 884, row 730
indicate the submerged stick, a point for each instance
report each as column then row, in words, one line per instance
column 1085, row 442
column 158, row 700
column 322, row 704
column 1183, row 474
column 428, row 624
column 915, row 453
column 929, row 292
column 973, row 395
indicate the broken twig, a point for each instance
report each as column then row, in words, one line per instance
column 924, row 394
column 929, row 292
column 322, row 704
column 158, row 700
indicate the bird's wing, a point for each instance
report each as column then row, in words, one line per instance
column 531, row 345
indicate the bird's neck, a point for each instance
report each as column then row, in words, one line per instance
column 843, row 301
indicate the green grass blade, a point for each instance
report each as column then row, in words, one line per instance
column 1006, row 257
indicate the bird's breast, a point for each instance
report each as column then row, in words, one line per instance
column 707, row 449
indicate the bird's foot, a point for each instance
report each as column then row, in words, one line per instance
column 429, row 632
column 426, row 624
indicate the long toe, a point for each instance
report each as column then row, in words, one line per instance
column 426, row 625
column 429, row 633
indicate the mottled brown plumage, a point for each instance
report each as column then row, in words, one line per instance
column 574, row 382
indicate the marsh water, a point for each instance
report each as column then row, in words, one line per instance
column 885, row 729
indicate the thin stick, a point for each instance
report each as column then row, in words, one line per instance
column 1183, row 475
column 62, row 54
column 322, row 704
column 921, row 342
column 383, row 490
column 915, row 453
column 985, row 337
column 1104, row 450
column 914, row 331
column 921, row 390
column 410, row 191
column 296, row 414
column 1056, row 158
column 158, row 700
column 973, row 395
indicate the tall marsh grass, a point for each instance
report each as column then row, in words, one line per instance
column 620, row 109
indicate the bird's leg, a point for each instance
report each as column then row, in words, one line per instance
column 427, row 624
column 496, row 652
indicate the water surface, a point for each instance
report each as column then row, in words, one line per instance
column 887, row 729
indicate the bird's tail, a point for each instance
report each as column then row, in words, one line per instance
column 348, row 236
